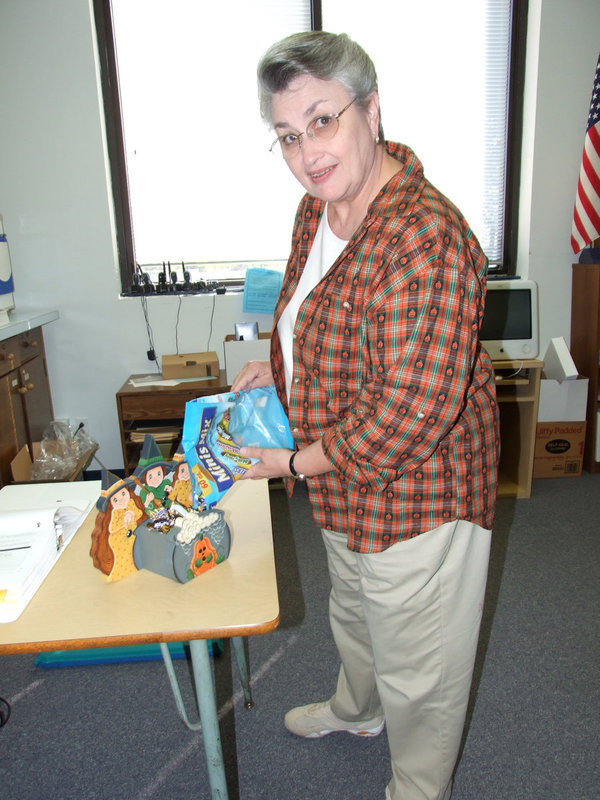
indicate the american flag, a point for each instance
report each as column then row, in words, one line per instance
column 586, row 216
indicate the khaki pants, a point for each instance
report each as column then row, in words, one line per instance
column 406, row 623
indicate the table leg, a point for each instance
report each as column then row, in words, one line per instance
column 207, row 706
column 168, row 661
column 237, row 643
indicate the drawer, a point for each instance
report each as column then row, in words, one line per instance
column 19, row 349
column 156, row 405
column 30, row 345
column 10, row 356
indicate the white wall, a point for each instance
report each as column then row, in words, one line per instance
column 56, row 204
column 563, row 51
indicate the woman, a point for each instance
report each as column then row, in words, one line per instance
column 376, row 359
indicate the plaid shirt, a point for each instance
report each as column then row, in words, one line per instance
column 388, row 371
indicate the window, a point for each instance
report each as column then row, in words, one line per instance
column 443, row 80
column 194, row 185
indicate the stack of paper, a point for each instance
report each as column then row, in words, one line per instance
column 32, row 539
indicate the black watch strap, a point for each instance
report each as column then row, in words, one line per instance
column 298, row 475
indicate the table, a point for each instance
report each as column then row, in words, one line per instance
column 76, row 608
column 158, row 410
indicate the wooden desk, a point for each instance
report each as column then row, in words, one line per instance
column 76, row 608
column 518, row 393
column 158, row 410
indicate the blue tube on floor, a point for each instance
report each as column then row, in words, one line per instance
column 114, row 655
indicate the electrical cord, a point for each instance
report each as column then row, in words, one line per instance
column 177, row 326
column 151, row 351
column 4, row 711
column 516, row 373
column 212, row 314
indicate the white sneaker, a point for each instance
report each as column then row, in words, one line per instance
column 317, row 719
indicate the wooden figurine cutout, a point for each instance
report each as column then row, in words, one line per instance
column 154, row 476
column 153, row 525
column 120, row 511
column 180, row 492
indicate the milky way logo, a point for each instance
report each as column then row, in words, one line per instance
column 221, row 475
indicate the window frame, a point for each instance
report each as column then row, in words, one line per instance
column 117, row 156
column 115, row 143
column 514, row 138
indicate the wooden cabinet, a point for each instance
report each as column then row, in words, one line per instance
column 158, row 411
column 25, row 402
column 518, row 393
column 585, row 349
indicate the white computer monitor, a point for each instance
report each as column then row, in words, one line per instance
column 510, row 327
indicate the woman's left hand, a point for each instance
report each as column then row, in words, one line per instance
column 273, row 462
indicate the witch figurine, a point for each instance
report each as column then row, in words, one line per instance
column 120, row 511
column 153, row 475
column 180, row 492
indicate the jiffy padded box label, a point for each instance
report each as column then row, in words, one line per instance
column 558, row 449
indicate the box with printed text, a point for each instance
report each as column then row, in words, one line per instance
column 560, row 431
column 558, row 449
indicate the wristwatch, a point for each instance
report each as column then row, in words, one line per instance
column 298, row 475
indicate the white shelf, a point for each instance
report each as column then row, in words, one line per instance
column 21, row 321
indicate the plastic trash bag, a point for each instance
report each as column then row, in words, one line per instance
column 61, row 451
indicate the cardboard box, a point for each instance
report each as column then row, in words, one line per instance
column 21, row 465
column 558, row 362
column 558, row 449
column 560, row 431
column 565, row 401
column 237, row 353
column 190, row 365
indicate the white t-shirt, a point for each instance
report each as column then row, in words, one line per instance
column 323, row 253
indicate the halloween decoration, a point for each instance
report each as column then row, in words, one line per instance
column 163, row 518
column 147, row 522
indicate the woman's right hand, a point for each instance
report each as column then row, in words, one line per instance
column 253, row 375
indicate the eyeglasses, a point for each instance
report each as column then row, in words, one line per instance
column 320, row 129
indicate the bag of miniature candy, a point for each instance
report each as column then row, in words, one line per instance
column 217, row 426
column 257, row 419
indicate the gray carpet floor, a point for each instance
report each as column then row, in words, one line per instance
column 112, row 732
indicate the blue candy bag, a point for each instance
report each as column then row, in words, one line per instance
column 217, row 426
column 258, row 420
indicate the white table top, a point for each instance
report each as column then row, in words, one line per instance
column 76, row 607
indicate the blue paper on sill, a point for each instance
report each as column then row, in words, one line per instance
column 261, row 290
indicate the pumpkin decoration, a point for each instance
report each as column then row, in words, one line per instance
column 204, row 557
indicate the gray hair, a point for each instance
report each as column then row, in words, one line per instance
column 327, row 56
